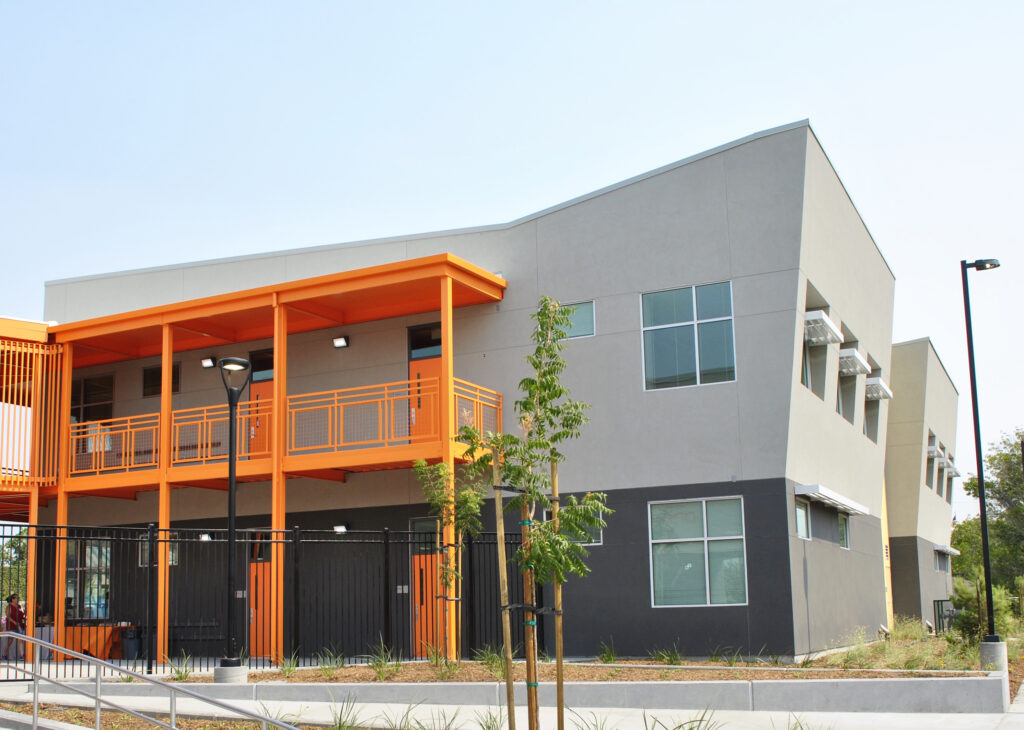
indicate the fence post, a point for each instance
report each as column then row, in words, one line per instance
column 150, row 598
column 468, row 604
column 296, row 592
column 387, row 587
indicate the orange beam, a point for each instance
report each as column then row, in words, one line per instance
column 30, row 566
column 164, row 499
column 60, row 570
column 447, row 411
column 277, row 508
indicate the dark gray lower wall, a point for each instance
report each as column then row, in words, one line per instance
column 836, row 591
column 916, row 584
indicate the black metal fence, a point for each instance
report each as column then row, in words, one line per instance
column 343, row 593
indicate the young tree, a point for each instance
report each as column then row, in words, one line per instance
column 528, row 462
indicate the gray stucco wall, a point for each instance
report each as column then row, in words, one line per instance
column 836, row 591
column 916, row 584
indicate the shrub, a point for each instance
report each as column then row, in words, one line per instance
column 972, row 620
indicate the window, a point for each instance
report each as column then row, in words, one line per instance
column 88, row 579
column 688, row 336
column 949, row 489
column 844, row 531
column 581, row 321
column 941, row 562
column 803, row 519
column 425, row 341
column 697, row 552
column 92, row 399
column 151, row 380
column 262, row 364
column 596, row 533
column 845, row 392
column 172, row 553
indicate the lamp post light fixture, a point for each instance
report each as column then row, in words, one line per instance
column 234, row 371
column 980, row 265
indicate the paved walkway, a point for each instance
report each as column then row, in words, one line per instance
column 376, row 715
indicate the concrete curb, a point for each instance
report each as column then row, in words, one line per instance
column 17, row 721
column 918, row 694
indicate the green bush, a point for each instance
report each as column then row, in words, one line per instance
column 972, row 620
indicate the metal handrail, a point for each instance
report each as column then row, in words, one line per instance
column 173, row 691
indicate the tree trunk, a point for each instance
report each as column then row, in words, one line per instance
column 530, row 625
column 559, row 679
column 506, row 625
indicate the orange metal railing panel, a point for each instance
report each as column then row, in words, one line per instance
column 477, row 406
column 200, row 435
column 29, row 402
column 366, row 417
column 114, row 445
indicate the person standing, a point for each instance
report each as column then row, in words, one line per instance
column 15, row 620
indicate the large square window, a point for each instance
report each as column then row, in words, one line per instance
column 698, row 556
column 688, row 336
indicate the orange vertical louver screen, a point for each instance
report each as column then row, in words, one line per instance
column 29, row 418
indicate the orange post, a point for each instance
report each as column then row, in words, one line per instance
column 446, row 401
column 30, row 567
column 277, row 506
column 164, row 498
column 64, row 466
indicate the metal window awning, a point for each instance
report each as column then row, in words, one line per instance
column 934, row 452
column 946, row 549
column 851, row 362
column 824, row 495
column 876, row 389
column 951, row 470
column 820, row 330
column 942, row 461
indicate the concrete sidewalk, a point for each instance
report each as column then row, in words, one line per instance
column 378, row 714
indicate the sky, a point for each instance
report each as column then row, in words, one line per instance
column 144, row 134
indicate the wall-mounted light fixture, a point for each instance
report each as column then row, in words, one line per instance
column 208, row 362
column 341, row 528
column 340, row 342
column 205, row 537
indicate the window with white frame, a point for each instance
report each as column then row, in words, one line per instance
column 688, row 336
column 941, row 562
column 844, row 531
column 803, row 519
column 698, row 557
column 581, row 320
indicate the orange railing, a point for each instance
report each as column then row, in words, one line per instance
column 477, row 406
column 114, row 444
column 390, row 414
column 375, row 415
column 200, row 435
column 29, row 405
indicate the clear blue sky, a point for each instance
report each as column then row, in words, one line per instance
column 135, row 134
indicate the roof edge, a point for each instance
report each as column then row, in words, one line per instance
column 464, row 231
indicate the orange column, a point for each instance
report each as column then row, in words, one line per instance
column 63, row 467
column 30, row 567
column 279, row 425
column 446, row 401
column 164, row 497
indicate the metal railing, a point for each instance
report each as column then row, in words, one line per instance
column 114, row 444
column 173, row 691
column 200, row 435
column 476, row 406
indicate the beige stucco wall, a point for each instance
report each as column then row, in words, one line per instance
column 840, row 259
column 926, row 400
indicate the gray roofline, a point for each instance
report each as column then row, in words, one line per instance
column 935, row 352
column 465, row 231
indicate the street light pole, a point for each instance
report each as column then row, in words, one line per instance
column 234, row 371
column 980, row 265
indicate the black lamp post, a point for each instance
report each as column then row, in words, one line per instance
column 980, row 265
column 234, row 371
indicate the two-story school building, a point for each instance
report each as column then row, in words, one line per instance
column 732, row 336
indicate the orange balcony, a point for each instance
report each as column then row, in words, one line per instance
column 370, row 427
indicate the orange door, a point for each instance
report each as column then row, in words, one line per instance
column 423, row 410
column 257, row 420
column 259, row 598
column 423, row 571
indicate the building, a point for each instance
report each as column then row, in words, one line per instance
column 732, row 335
column 919, row 474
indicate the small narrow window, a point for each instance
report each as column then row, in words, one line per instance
column 581, row 320
column 941, row 562
column 151, row 380
column 844, row 531
column 803, row 519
